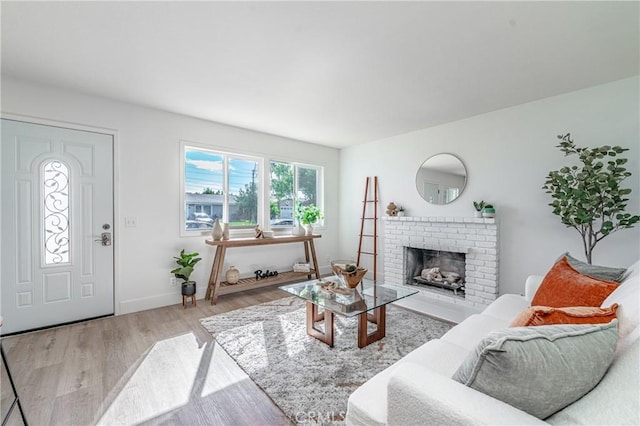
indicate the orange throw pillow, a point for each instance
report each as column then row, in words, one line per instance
column 564, row 286
column 546, row 315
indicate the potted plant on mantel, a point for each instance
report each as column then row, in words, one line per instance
column 308, row 215
column 187, row 262
column 479, row 206
column 589, row 198
column 488, row 211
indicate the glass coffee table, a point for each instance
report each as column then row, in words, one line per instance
column 368, row 301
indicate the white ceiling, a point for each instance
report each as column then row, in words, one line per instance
column 333, row 73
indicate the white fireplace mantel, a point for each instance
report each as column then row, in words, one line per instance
column 476, row 237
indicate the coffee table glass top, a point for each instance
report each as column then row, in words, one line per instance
column 365, row 297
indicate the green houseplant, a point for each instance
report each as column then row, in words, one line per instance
column 308, row 215
column 478, row 205
column 186, row 262
column 589, row 197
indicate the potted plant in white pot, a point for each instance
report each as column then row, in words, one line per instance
column 479, row 206
column 186, row 262
column 308, row 215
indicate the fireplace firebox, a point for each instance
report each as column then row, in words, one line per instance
column 438, row 270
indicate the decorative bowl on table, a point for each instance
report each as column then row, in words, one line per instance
column 348, row 272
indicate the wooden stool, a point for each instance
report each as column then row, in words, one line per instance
column 193, row 300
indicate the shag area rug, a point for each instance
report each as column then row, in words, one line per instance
column 307, row 379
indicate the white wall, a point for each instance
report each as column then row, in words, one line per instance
column 508, row 154
column 148, row 187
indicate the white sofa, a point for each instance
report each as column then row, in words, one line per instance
column 418, row 389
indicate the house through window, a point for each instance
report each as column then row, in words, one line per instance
column 231, row 187
column 220, row 186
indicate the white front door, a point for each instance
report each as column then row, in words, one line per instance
column 57, row 200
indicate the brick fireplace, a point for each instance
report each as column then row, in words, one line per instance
column 476, row 238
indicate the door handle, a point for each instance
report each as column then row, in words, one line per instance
column 105, row 239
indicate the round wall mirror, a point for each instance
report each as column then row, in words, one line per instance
column 441, row 179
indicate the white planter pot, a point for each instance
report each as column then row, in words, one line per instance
column 308, row 229
column 298, row 229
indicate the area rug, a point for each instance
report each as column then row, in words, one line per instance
column 307, row 379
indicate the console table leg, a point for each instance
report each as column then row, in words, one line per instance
column 306, row 257
column 212, row 275
column 218, row 272
column 315, row 260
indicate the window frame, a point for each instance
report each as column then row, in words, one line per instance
column 189, row 145
column 263, row 188
column 319, row 189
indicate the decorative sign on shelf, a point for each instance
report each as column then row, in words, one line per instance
column 265, row 274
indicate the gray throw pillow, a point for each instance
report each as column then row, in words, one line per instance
column 540, row 370
column 595, row 271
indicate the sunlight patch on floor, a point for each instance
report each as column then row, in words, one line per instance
column 163, row 381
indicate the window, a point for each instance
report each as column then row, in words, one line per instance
column 291, row 184
column 55, row 195
column 222, row 186
column 238, row 189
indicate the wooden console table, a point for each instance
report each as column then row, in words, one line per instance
column 217, row 287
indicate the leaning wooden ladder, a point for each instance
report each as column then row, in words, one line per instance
column 371, row 221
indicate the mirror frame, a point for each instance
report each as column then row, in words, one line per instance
column 420, row 183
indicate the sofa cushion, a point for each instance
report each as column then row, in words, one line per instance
column 546, row 315
column 564, row 286
column 367, row 405
column 540, row 370
column 471, row 331
column 614, row 401
column 506, row 307
column 596, row 271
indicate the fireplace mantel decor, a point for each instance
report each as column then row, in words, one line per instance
column 477, row 238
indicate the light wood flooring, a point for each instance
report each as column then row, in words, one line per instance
column 152, row 367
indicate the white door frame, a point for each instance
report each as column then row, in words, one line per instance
column 116, row 185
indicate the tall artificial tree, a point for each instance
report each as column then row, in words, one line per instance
column 589, row 197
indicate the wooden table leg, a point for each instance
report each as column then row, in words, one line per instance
column 306, row 256
column 378, row 316
column 218, row 274
column 315, row 260
column 212, row 274
column 313, row 316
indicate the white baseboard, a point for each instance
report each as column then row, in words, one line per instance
column 156, row 301
column 172, row 298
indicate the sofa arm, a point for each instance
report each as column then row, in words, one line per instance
column 531, row 286
column 418, row 396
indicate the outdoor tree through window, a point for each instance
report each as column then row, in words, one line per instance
column 291, row 184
